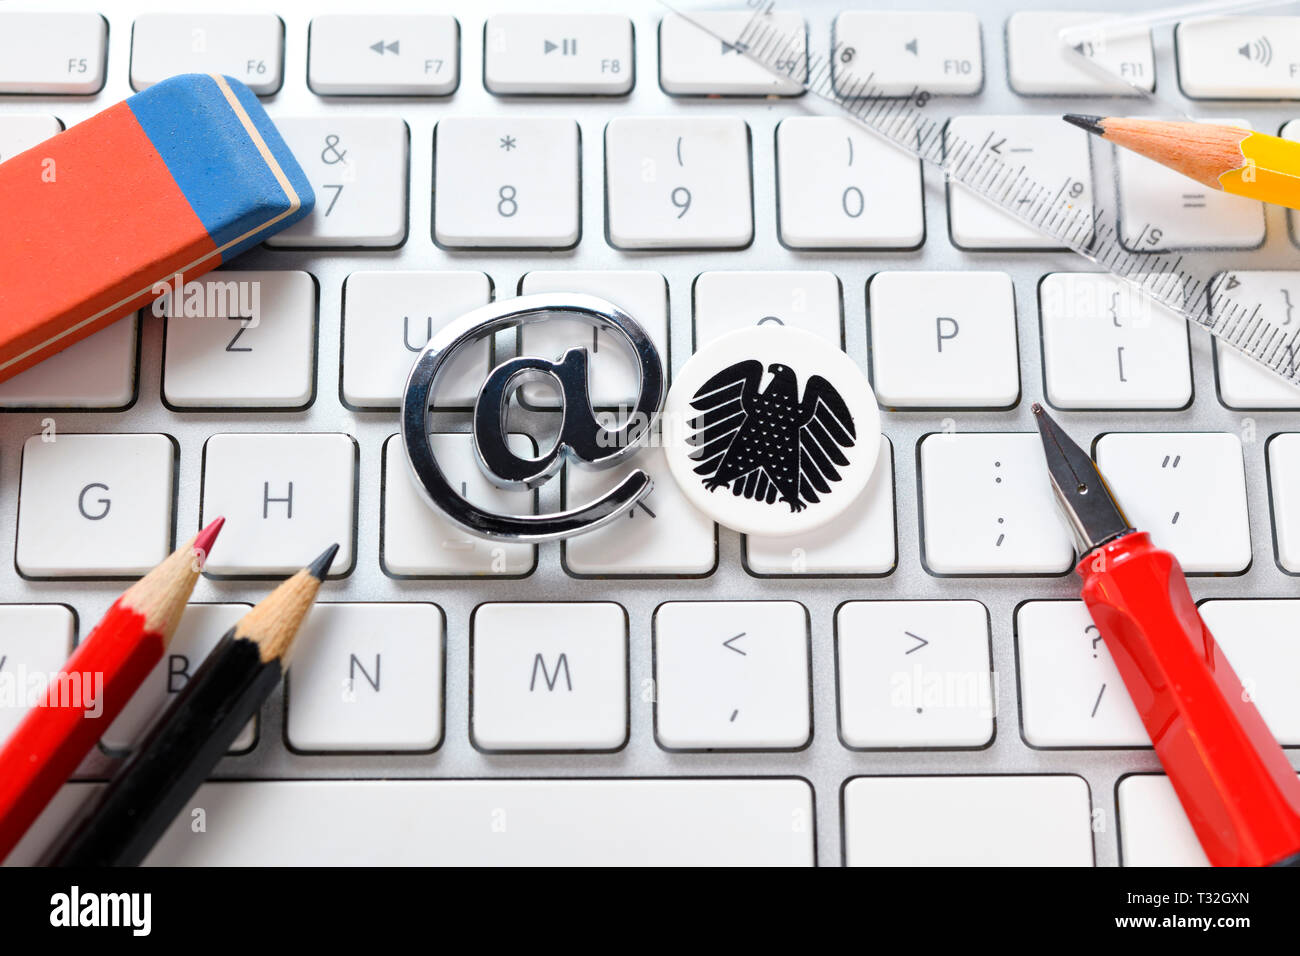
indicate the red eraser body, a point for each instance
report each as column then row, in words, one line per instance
column 174, row 180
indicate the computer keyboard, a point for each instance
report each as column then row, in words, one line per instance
column 915, row 684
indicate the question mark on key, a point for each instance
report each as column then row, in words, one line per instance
column 1093, row 627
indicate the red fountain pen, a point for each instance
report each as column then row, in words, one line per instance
column 1236, row 785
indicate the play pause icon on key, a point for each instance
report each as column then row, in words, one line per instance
column 567, row 46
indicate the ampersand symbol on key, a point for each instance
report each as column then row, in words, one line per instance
column 582, row 438
column 331, row 154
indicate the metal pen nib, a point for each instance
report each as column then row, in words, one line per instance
column 1081, row 491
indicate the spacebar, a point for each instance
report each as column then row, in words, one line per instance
column 721, row 821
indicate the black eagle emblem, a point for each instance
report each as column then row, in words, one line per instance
column 768, row 445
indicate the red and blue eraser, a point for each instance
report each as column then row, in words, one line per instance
column 177, row 179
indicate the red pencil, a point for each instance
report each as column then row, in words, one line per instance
column 93, row 686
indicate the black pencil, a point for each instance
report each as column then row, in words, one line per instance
column 195, row 731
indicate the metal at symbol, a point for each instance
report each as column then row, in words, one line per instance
column 581, row 437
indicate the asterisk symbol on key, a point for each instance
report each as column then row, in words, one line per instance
column 507, row 143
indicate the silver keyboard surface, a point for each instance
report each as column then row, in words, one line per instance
column 826, row 763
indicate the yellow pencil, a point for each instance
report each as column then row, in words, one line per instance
column 1228, row 158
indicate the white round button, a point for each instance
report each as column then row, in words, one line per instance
column 771, row 430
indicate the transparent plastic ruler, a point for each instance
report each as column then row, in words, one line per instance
column 1221, row 290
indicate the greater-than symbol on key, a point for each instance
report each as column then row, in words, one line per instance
column 921, row 642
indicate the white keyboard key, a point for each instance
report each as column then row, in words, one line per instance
column 693, row 61
column 52, row 52
column 1162, row 210
column 995, row 820
column 558, row 53
column 1284, row 484
column 613, row 371
column 1039, row 64
column 727, row 301
column 357, row 167
column 97, row 372
column 286, row 497
column 1053, row 153
column 1243, row 382
column 366, row 677
column 19, row 132
column 378, row 54
column 943, row 339
column 388, row 317
column 247, row 46
column 733, row 821
column 1153, row 826
column 987, row 506
column 1239, row 58
column 35, row 640
column 419, row 542
column 663, row 534
column 839, row 187
column 549, row 677
column 914, row 674
column 245, row 340
column 1071, row 693
column 1246, row 384
column 897, row 53
column 678, row 182
column 506, row 182
column 202, row 626
column 732, row 675
column 1187, row 490
column 95, row 505
column 1106, row 345
column 1257, row 638
column 860, row 541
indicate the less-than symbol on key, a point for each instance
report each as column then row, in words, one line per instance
column 729, row 642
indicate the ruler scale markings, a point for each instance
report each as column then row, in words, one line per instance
column 1089, row 232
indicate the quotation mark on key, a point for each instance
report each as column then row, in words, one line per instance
column 997, row 480
column 1171, row 464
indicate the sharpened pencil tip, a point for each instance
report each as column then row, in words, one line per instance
column 203, row 540
column 1036, row 408
column 1090, row 124
column 320, row 567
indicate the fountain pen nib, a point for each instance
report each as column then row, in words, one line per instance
column 1081, row 491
